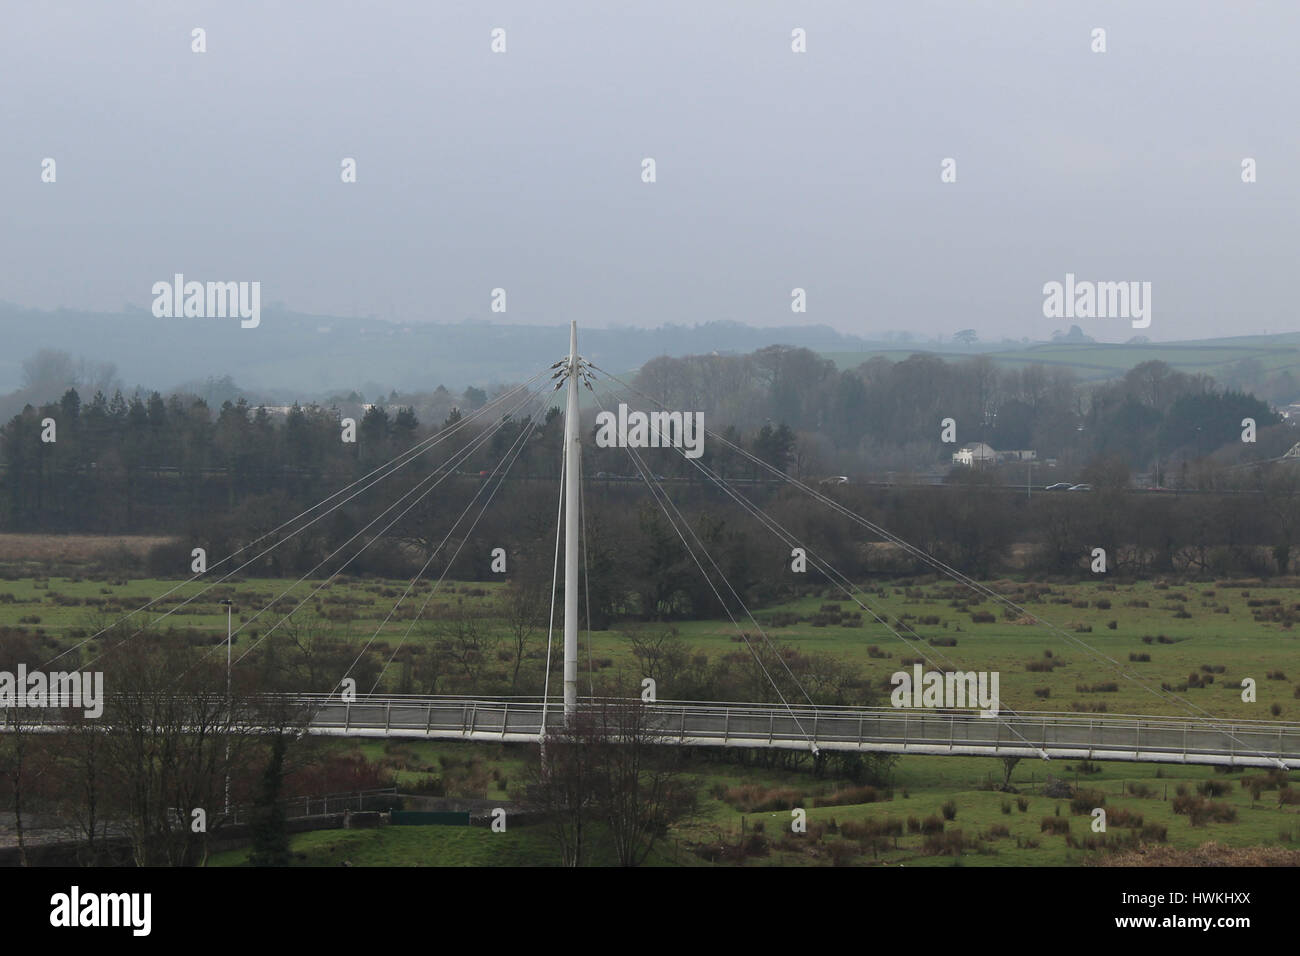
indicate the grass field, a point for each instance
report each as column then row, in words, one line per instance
column 1200, row 639
column 973, row 825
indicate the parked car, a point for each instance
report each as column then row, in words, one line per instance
column 1080, row 488
column 1059, row 486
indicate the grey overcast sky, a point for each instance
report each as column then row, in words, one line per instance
column 523, row 170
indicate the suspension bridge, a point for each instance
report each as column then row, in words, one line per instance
column 793, row 721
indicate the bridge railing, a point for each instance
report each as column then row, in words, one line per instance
column 749, row 724
column 1129, row 736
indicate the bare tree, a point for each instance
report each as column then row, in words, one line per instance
column 524, row 609
column 641, row 789
column 469, row 644
column 564, row 785
column 609, row 767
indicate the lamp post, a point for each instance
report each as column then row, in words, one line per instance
column 229, row 609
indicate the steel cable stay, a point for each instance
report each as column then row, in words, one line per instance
column 846, row 586
column 655, row 491
column 513, row 455
column 1096, row 654
column 416, row 578
column 450, row 464
column 951, row 572
column 409, row 455
column 586, row 578
column 918, row 552
column 464, row 454
column 555, row 579
column 758, row 627
column 456, row 459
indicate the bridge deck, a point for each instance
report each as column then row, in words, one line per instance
column 1101, row 736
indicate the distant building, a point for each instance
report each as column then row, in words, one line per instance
column 1020, row 454
column 978, row 453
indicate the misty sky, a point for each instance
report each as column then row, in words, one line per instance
column 775, row 169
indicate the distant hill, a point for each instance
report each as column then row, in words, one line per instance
column 1094, row 361
column 294, row 355
column 298, row 354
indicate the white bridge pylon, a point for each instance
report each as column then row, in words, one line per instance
column 572, row 464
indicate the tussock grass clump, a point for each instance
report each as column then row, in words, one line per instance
column 752, row 798
column 851, row 796
column 1109, row 687
column 1085, row 801
column 870, row 829
column 1200, row 811
column 1122, row 817
column 951, row 843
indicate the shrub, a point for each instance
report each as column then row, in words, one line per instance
column 850, row 796
column 944, row 844
column 1083, row 802
column 1120, row 817
column 949, row 809
column 1155, row 832
column 1200, row 811
column 754, row 799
